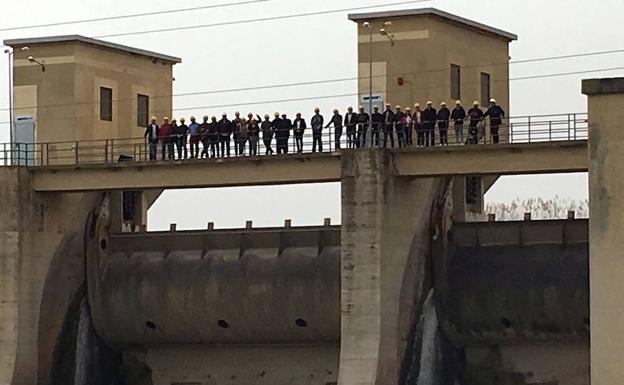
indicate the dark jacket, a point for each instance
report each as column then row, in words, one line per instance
column 350, row 120
column 398, row 121
column 282, row 128
column 388, row 120
column 152, row 136
column 458, row 115
column 267, row 129
column 377, row 120
column 443, row 117
column 204, row 128
column 336, row 120
column 302, row 126
column 213, row 130
column 429, row 116
column 253, row 129
column 363, row 119
column 476, row 116
column 496, row 115
column 224, row 127
column 317, row 123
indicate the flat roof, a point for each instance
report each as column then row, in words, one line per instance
column 435, row 13
column 90, row 41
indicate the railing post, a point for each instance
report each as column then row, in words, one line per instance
column 106, row 151
column 529, row 129
column 569, row 126
column 76, row 152
column 575, row 126
column 41, row 147
column 510, row 132
column 112, row 155
column 5, row 156
column 550, row 130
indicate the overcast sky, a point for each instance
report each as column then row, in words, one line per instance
column 324, row 47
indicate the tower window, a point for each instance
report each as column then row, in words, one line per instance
column 106, row 104
column 455, row 82
column 142, row 110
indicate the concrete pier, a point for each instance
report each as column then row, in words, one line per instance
column 606, row 227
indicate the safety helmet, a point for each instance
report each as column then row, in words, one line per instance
column 276, row 114
column 165, row 118
column 266, row 116
column 154, row 117
column 475, row 103
column 492, row 100
column 429, row 103
column 443, row 104
column 458, row 102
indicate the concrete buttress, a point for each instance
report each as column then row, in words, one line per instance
column 40, row 257
column 386, row 238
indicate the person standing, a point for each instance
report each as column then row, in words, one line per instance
column 175, row 135
column 151, row 133
column 225, row 131
column 443, row 123
column 350, row 122
column 317, row 130
column 183, row 139
column 496, row 114
column 458, row 116
column 430, row 116
column 253, row 133
column 418, row 125
column 363, row 121
column 282, row 133
column 213, row 137
column 299, row 126
column 236, row 127
column 268, row 130
column 399, row 127
column 194, row 133
column 336, row 120
column 475, row 114
column 204, row 128
column 388, row 126
column 164, row 137
column 377, row 120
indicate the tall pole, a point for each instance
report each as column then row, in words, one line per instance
column 9, row 54
column 370, row 80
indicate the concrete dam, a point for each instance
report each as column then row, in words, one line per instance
column 263, row 306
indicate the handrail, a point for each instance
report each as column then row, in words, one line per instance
column 521, row 129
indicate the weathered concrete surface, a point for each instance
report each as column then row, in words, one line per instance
column 242, row 365
column 522, row 158
column 34, row 228
column 385, row 243
column 516, row 283
column 222, row 287
column 606, row 227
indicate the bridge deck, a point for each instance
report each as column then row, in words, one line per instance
column 501, row 159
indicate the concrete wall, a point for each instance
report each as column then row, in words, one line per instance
column 271, row 365
column 385, row 245
column 67, row 94
column 424, row 50
column 36, row 227
column 606, row 226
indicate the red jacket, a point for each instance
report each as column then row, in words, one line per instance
column 165, row 131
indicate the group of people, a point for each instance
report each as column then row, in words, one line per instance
column 217, row 136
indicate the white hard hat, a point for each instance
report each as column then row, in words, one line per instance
column 492, row 100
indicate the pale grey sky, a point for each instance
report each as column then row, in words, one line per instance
column 324, row 47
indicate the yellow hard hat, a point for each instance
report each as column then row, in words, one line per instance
column 443, row 104
column 165, row 118
column 408, row 109
column 458, row 102
column 398, row 107
column 417, row 105
column 154, row 117
column 429, row 103
column 475, row 103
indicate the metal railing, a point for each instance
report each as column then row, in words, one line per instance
column 523, row 129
